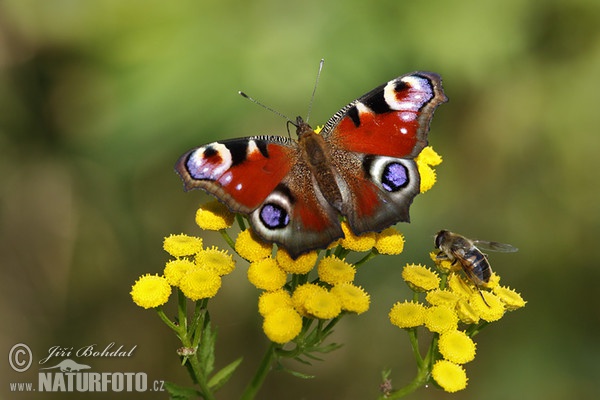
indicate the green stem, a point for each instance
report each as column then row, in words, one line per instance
column 166, row 319
column 414, row 342
column 227, row 238
column 420, row 380
column 372, row 254
column 261, row 374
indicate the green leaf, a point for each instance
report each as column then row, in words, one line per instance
column 298, row 374
column 206, row 350
column 177, row 392
column 222, row 376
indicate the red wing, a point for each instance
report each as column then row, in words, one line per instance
column 239, row 172
column 391, row 120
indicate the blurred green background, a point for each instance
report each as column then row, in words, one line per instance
column 98, row 99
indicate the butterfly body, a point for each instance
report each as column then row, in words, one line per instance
column 360, row 166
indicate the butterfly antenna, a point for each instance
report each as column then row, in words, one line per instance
column 312, row 98
column 265, row 107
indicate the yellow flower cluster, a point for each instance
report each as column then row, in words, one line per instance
column 194, row 270
column 427, row 159
column 389, row 241
column 452, row 300
column 283, row 305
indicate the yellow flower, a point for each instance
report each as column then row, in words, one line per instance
column 389, row 241
column 176, row 269
column 420, row 278
column 429, row 156
column 150, row 291
column 282, row 325
column 270, row 301
column 265, row 274
column 494, row 281
column 444, row 265
column 440, row 319
column 438, row 297
column 511, row 299
column 451, row 377
column 323, row 304
column 408, row 314
column 302, row 265
column 425, row 160
column 182, row 245
column 214, row 216
column 219, row 261
column 457, row 347
column 333, row 270
column 200, row 283
column 301, row 295
column 466, row 313
column 459, row 287
column 250, row 247
column 364, row 242
column 490, row 312
column 354, row 298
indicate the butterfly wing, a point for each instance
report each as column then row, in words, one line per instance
column 374, row 141
column 265, row 178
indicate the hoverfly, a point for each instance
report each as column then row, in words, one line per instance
column 467, row 252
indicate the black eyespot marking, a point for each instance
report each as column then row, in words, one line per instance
column 395, row 176
column 401, row 85
column 209, row 151
column 273, row 216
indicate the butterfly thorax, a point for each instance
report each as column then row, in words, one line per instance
column 317, row 156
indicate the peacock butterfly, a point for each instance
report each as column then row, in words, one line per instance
column 360, row 166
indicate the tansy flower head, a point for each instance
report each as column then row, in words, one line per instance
column 364, row 242
column 265, row 274
column 282, row 325
column 490, row 312
column 353, row 298
column 182, row 245
column 511, row 299
column 465, row 312
column 451, row 377
column 214, row 216
column 333, row 270
column 323, row 304
column 457, row 347
column 425, row 160
column 219, row 261
column 440, row 319
column 444, row 265
column 250, row 247
column 301, row 294
column 420, row 278
column 389, row 241
column 270, row 301
column 408, row 314
column 200, row 283
column 459, row 287
column 302, row 265
column 150, row 291
column 439, row 297
column 176, row 269
column 494, row 281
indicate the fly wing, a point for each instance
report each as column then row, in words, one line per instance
column 494, row 246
